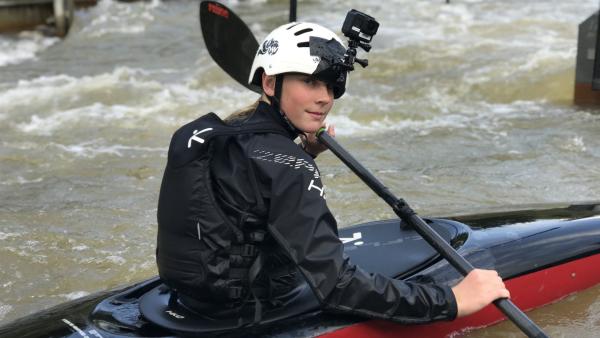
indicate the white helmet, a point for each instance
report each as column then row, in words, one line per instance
column 302, row 47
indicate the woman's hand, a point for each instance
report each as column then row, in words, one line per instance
column 311, row 144
column 478, row 289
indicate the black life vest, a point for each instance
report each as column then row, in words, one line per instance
column 200, row 252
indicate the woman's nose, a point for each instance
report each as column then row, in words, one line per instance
column 324, row 93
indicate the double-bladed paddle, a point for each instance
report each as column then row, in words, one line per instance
column 408, row 216
column 232, row 45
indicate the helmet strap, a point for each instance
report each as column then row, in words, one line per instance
column 276, row 98
column 278, row 86
column 276, row 103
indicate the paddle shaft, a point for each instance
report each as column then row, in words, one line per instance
column 293, row 7
column 403, row 210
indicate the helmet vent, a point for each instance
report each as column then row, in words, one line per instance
column 292, row 26
column 303, row 44
column 305, row 30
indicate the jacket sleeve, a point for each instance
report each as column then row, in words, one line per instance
column 304, row 227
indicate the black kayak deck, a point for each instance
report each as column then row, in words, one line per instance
column 386, row 248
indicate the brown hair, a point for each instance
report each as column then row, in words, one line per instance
column 244, row 113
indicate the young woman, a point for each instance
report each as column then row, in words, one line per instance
column 242, row 216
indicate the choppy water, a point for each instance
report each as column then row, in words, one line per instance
column 464, row 107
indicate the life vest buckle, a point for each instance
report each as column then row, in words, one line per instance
column 249, row 250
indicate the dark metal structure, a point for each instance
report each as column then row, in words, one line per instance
column 587, row 69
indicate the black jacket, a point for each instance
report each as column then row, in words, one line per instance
column 269, row 179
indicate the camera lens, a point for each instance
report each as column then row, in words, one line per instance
column 372, row 27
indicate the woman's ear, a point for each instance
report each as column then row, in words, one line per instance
column 268, row 84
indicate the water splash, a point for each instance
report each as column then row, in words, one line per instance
column 23, row 47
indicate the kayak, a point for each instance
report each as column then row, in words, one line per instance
column 544, row 254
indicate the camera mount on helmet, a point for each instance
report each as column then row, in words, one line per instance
column 359, row 28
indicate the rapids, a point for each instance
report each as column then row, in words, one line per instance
column 464, row 107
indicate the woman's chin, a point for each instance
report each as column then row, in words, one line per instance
column 313, row 127
column 311, row 130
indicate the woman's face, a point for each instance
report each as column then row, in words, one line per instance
column 304, row 100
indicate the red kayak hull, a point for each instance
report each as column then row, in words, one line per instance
column 549, row 285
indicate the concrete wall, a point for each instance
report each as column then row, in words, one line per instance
column 14, row 18
column 53, row 17
column 19, row 15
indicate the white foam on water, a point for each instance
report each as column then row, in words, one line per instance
column 520, row 109
column 50, row 90
column 81, row 247
column 126, row 94
column 461, row 26
column 4, row 310
column 489, row 118
column 74, row 295
column 6, row 235
column 345, row 126
column 20, row 180
column 145, row 266
column 102, row 257
column 232, row 3
column 574, row 144
column 156, row 98
column 112, row 17
column 118, row 260
column 47, row 95
column 546, row 56
column 87, row 149
column 93, row 148
column 22, row 47
column 372, row 101
column 47, row 125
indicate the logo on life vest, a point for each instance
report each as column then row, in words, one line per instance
column 312, row 185
column 269, row 47
column 196, row 138
column 293, row 162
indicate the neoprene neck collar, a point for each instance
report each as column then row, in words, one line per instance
column 275, row 104
column 273, row 112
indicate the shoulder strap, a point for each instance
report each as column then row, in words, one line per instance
column 191, row 140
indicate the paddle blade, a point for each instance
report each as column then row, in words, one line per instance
column 229, row 41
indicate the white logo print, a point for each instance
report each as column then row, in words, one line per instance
column 289, row 160
column 312, row 185
column 269, row 47
column 355, row 237
column 196, row 138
